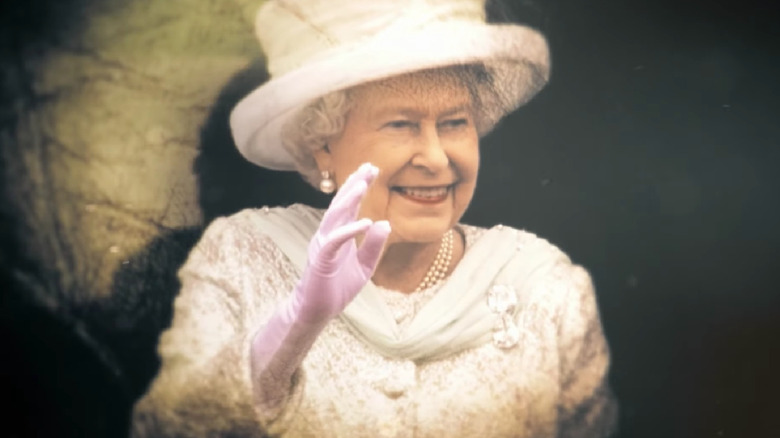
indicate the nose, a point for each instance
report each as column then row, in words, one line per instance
column 431, row 154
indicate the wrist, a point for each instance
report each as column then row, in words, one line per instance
column 299, row 312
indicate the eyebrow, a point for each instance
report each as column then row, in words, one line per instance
column 466, row 107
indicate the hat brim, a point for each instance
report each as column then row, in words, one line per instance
column 516, row 56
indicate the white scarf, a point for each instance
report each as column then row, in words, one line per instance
column 455, row 319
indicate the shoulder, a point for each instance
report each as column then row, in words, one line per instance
column 248, row 232
column 250, row 222
column 236, row 231
column 560, row 285
column 541, row 267
column 527, row 244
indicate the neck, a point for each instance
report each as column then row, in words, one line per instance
column 403, row 265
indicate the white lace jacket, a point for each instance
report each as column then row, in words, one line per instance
column 551, row 384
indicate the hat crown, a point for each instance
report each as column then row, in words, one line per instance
column 295, row 32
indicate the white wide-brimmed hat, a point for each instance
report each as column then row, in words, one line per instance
column 314, row 47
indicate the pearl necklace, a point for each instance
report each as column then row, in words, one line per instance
column 441, row 264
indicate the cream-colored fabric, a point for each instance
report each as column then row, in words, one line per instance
column 294, row 32
column 551, row 384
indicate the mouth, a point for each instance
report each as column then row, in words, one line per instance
column 424, row 195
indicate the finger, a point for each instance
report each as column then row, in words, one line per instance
column 366, row 172
column 344, row 209
column 371, row 249
column 336, row 239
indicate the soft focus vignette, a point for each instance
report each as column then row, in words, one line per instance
column 108, row 106
column 88, row 204
column 118, row 172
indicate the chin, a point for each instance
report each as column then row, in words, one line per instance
column 419, row 232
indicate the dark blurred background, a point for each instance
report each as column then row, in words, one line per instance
column 651, row 159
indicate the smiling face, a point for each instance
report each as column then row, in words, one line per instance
column 418, row 129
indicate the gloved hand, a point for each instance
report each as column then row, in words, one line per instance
column 336, row 270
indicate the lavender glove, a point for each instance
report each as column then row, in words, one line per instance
column 337, row 269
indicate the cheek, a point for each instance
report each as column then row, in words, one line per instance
column 466, row 160
column 463, row 195
column 467, row 163
column 374, row 203
column 386, row 156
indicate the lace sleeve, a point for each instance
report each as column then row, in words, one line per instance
column 587, row 408
column 231, row 284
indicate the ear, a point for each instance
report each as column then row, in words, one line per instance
column 323, row 158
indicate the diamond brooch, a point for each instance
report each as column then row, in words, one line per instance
column 502, row 300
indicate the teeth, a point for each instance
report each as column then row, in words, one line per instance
column 421, row 192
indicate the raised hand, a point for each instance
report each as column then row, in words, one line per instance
column 337, row 268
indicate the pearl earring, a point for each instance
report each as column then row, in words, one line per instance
column 327, row 185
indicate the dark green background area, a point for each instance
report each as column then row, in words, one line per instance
column 651, row 158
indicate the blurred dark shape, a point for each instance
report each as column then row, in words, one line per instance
column 228, row 183
column 57, row 378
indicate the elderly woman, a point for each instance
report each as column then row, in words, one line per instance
column 382, row 316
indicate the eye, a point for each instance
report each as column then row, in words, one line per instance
column 400, row 124
column 454, row 123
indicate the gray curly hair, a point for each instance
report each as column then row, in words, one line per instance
column 314, row 126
